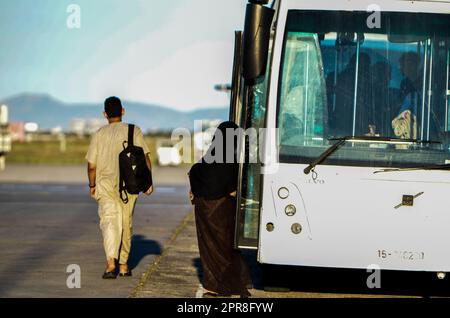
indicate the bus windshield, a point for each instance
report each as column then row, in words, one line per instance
column 342, row 76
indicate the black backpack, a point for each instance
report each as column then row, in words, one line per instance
column 135, row 177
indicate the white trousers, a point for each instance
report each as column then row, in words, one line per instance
column 116, row 223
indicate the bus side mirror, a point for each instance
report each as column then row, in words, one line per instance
column 258, row 21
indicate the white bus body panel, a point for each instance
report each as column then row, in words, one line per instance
column 347, row 216
column 349, row 219
column 426, row 6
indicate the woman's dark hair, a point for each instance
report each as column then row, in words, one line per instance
column 214, row 180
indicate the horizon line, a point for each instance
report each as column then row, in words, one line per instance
column 124, row 100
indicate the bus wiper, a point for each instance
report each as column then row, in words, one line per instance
column 431, row 167
column 343, row 140
column 326, row 154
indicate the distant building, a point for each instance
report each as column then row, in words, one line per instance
column 94, row 124
column 58, row 130
column 17, row 131
column 23, row 131
column 3, row 115
column 5, row 136
column 77, row 126
column 5, row 147
column 81, row 126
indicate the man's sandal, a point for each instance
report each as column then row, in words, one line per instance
column 109, row 275
column 126, row 274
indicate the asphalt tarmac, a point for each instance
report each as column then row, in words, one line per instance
column 49, row 229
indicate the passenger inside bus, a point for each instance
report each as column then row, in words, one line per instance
column 401, row 90
column 321, row 84
column 405, row 123
column 380, row 110
column 341, row 116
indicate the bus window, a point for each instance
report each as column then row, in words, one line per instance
column 447, row 117
column 340, row 78
column 303, row 95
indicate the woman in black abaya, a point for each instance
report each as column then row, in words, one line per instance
column 213, row 191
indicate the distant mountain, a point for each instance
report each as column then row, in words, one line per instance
column 49, row 112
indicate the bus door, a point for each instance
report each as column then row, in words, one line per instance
column 248, row 111
column 245, row 116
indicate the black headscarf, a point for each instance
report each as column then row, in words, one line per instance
column 215, row 180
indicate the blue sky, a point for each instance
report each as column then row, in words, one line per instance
column 167, row 52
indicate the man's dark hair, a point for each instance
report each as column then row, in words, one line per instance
column 113, row 107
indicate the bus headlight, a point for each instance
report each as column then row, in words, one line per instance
column 290, row 210
column 296, row 228
column 283, row 193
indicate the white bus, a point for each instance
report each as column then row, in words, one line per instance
column 360, row 96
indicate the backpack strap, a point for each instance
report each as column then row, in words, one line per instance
column 122, row 189
column 130, row 135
